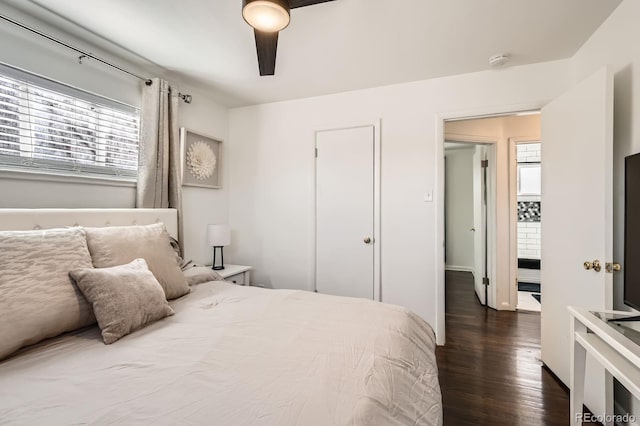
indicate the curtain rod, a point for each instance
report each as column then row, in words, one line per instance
column 85, row 54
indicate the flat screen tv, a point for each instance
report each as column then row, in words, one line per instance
column 632, row 231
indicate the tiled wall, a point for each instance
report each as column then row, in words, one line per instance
column 529, row 210
column 528, row 153
column 529, row 240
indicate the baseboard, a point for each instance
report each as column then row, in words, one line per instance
column 459, row 268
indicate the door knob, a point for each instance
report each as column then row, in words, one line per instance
column 612, row 267
column 367, row 240
column 595, row 265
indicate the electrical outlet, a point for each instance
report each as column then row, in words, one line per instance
column 428, row 197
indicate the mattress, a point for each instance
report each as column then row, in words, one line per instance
column 234, row 355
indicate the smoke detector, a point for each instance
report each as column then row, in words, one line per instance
column 498, row 60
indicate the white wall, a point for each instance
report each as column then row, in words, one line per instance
column 459, row 208
column 21, row 49
column 272, row 172
column 202, row 206
column 614, row 44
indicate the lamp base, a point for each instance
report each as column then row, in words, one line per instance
column 221, row 265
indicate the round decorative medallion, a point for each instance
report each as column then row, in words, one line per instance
column 201, row 160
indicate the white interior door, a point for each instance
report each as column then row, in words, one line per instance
column 479, row 221
column 345, row 212
column 577, row 215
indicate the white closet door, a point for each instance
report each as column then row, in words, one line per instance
column 345, row 212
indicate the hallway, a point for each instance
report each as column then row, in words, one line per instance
column 490, row 372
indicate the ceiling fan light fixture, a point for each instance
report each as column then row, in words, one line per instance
column 266, row 15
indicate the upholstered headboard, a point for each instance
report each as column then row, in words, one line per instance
column 25, row 219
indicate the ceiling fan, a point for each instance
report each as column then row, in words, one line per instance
column 268, row 18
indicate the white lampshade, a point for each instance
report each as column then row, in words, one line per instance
column 266, row 15
column 218, row 235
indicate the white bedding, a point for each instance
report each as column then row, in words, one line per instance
column 235, row 355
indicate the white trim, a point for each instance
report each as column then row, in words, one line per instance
column 377, row 184
column 492, row 226
column 440, row 118
column 377, row 226
column 460, row 268
column 48, row 176
column 470, row 139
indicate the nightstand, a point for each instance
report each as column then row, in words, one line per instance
column 237, row 274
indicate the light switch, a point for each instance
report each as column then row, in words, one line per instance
column 428, row 197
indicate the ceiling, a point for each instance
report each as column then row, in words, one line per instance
column 336, row 46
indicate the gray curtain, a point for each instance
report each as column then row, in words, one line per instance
column 159, row 177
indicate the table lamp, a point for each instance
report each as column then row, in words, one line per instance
column 218, row 236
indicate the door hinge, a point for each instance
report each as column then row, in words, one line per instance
column 316, row 152
column 485, row 281
column 484, row 164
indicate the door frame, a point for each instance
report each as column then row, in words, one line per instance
column 377, row 282
column 491, row 185
column 513, row 218
column 440, row 118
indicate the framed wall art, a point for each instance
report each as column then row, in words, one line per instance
column 201, row 160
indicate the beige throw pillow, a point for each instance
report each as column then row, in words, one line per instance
column 125, row 298
column 118, row 245
column 201, row 274
column 38, row 300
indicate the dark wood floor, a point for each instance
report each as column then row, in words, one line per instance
column 490, row 368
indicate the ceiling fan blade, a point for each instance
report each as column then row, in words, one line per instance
column 302, row 3
column 266, row 46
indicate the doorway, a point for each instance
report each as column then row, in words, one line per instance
column 469, row 206
column 528, row 195
column 498, row 134
column 578, row 120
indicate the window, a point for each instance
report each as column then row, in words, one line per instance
column 49, row 127
column 529, row 179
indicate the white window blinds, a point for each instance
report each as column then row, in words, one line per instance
column 49, row 127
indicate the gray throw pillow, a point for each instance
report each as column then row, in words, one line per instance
column 118, row 245
column 38, row 300
column 125, row 298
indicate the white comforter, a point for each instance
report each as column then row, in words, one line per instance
column 236, row 356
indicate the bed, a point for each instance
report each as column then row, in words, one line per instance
column 230, row 355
